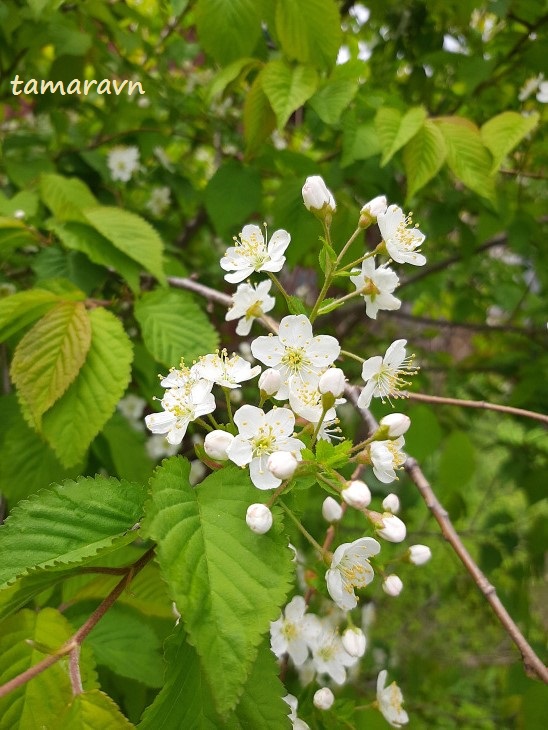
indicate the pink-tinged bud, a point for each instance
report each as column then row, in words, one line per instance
column 282, row 464
column 216, row 443
column 371, row 210
column 270, row 381
column 259, row 518
column 332, row 381
column 391, row 503
column 354, row 641
column 419, row 554
column 323, row 699
column 393, row 529
column 331, row 510
column 318, row 198
column 396, row 424
column 392, row 585
column 357, row 494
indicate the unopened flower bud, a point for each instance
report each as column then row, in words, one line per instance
column 391, row 503
column 354, row 641
column 371, row 210
column 396, row 424
column 419, row 554
column 331, row 510
column 318, row 198
column 323, row 699
column 216, row 443
column 258, row 518
column 357, row 494
column 19, row 214
column 392, row 528
column 392, row 585
column 282, row 464
column 332, row 381
column 270, row 381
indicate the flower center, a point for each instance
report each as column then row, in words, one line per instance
column 289, row 630
column 354, row 574
column 295, row 359
column 389, row 378
column 404, row 235
column 264, row 442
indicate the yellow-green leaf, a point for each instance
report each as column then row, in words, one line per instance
column 395, row 129
column 503, row 132
column 288, row 87
column 423, row 156
column 93, row 710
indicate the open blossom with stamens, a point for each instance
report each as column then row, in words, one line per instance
column 294, row 631
column 248, row 303
column 261, row 434
column 226, row 371
column 123, row 162
column 181, row 406
column 386, row 457
column 376, row 287
column 305, row 399
column 251, row 253
column 350, row 568
column 329, row 655
column 295, row 352
column 383, row 375
column 390, row 700
column 401, row 240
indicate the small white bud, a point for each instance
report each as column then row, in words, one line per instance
column 216, row 443
column 331, row 510
column 258, row 518
column 419, row 554
column 317, row 197
column 354, row 641
column 19, row 214
column 393, row 529
column 270, row 381
column 323, row 699
column 357, row 494
column 372, row 210
column 396, row 423
column 282, row 464
column 392, row 585
column 332, row 381
column 391, row 503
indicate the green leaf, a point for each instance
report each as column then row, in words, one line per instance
column 14, row 234
column 39, row 703
column 423, row 156
column 359, row 143
column 228, row 583
column 127, row 449
column 19, row 310
column 236, row 70
column 457, row 462
column 395, row 130
column 296, row 305
column 50, row 355
column 334, row 97
column 288, row 87
column 334, row 455
column 232, row 194
column 174, row 326
column 131, row 235
column 92, row 710
column 71, row 424
column 66, row 197
column 228, row 30
column 503, row 132
column 309, row 31
column 259, row 118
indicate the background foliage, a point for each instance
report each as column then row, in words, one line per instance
column 243, row 101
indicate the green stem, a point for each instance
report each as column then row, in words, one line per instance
column 329, row 483
column 205, row 425
column 228, row 404
column 359, row 261
column 346, row 353
column 318, row 426
column 338, row 302
column 302, row 529
column 347, row 246
column 327, row 281
column 280, row 288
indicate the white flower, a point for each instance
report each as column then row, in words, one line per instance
column 354, row 641
column 317, row 197
column 357, row 494
column 371, row 210
column 382, row 375
column 19, row 214
column 297, row 723
column 542, row 93
column 392, row 528
column 390, row 701
column 396, row 424
column 391, row 503
column 294, row 631
column 282, row 464
column 226, row 371
column 392, row 585
column 295, row 351
column 132, row 407
column 306, row 400
column 159, row 201
column 332, row 381
column 419, row 554
column 386, row 457
column 376, row 287
column 270, row 381
column 157, row 447
column 123, row 162
column 258, row 518
column 400, row 240
column 252, row 254
column 181, row 406
column 323, row 698
column 216, row 443
column 260, row 434
column 350, row 568
column 331, row 510
column 329, row 655
column 248, row 303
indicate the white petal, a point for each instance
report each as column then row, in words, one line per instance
column 260, row 476
column 249, row 420
column 240, row 451
column 295, row 330
column 268, row 350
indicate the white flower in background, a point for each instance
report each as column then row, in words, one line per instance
column 282, row 464
column 390, row 701
column 371, row 210
column 323, row 698
column 197, row 472
column 252, row 254
column 181, row 406
column 376, row 287
column 357, row 494
column 317, row 197
column 260, row 434
column 329, row 655
column 350, row 568
column 159, row 201
column 419, row 554
column 383, row 375
column 386, row 457
column 132, row 407
column 158, row 447
column 297, row 723
column 295, row 352
column 258, row 518
column 396, row 424
column 305, row 399
column 269, row 382
column 391, row 528
column 542, row 93
column 331, row 510
column 401, row 240
column 392, row 585
column 225, row 371
column 19, row 214
column 293, row 632
column 391, row 503
column 216, row 444
column 248, row 303
column 354, row 641
column 123, row 162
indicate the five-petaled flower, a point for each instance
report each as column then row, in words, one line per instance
column 248, row 303
column 350, row 568
column 389, row 700
column 400, row 240
column 228, row 372
column 382, row 375
column 251, row 253
column 181, row 406
column 376, row 287
column 294, row 631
